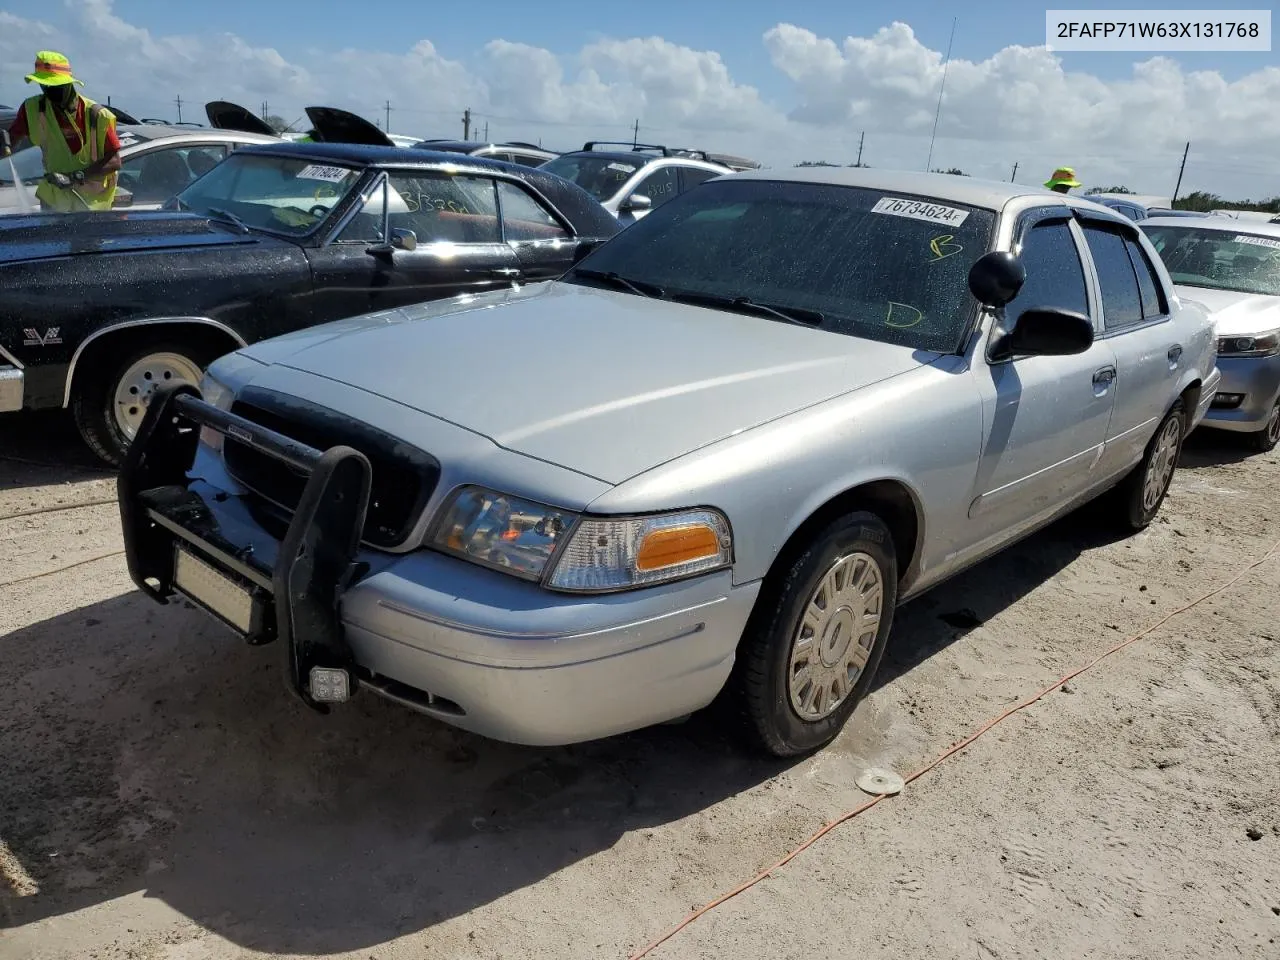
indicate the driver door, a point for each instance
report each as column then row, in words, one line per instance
column 416, row 236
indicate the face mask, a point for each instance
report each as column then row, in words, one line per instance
column 59, row 96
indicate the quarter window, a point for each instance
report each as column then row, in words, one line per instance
column 524, row 218
column 1121, row 298
column 661, row 185
column 438, row 209
column 1055, row 276
column 1148, row 282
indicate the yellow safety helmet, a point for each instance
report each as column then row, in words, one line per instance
column 52, row 70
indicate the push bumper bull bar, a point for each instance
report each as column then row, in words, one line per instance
column 294, row 597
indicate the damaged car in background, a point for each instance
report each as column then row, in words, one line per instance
column 100, row 309
column 710, row 461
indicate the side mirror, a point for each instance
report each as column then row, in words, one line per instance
column 996, row 278
column 636, row 203
column 1047, row 332
column 124, row 198
column 404, row 239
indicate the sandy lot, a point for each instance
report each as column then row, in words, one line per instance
column 162, row 797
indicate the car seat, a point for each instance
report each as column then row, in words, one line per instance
column 161, row 176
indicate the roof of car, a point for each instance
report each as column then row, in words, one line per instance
column 157, row 131
column 638, row 157
column 1221, row 224
column 466, row 146
column 371, row 156
column 971, row 191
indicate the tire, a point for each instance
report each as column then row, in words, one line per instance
column 1140, row 495
column 1265, row 440
column 94, row 401
column 788, row 717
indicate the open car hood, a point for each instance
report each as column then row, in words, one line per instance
column 339, row 126
column 224, row 115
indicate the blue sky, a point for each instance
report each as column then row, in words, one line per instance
column 459, row 30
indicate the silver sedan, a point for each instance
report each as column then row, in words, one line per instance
column 713, row 458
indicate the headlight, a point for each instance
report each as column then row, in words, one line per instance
column 580, row 554
column 1262, row 345
column 508, row 533
column 605, row 555
column 218, row 395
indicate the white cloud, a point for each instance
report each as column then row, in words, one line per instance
column 1020, row 104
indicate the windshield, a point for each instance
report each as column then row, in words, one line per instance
column 602, row 177
column 872, row 265
column 281, row 194
column 1219, row 260
column 29, row 163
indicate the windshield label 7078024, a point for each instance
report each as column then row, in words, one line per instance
column 920, row 210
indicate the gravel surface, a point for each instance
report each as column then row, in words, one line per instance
column 162, row 797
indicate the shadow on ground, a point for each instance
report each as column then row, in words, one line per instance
column 147, row 750
column 44, row 448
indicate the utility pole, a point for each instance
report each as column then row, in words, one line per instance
column 486, row 131
column 178, row 101
column 466, row 124
column 387, row 108
column 266, row 112
column 860, row 142
column 1180, row 169
column 1014, row 175
column 635, row 134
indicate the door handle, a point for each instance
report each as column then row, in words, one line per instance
column 510, row 273
column 1175, row 354
column 1104, row 376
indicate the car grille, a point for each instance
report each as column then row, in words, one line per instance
column 403, row 477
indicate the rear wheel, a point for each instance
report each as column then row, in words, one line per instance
column 815, row 641
column 1141, row 493
column 1265, row 440
column 112, row 399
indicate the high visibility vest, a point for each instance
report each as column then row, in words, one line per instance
column 44, row 131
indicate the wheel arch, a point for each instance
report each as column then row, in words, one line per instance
column 891, row 499
column 111, row 334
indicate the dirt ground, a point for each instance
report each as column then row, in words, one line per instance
column 162, row 797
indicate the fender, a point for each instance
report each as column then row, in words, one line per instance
column 203, row 321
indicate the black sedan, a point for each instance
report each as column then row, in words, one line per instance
column 99, row 309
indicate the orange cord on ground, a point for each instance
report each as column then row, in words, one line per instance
column 956, row 748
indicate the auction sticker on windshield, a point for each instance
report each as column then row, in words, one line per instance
column 1257, row 241
column 317, row 171
column 920, row 210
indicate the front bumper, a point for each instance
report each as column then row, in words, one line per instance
column 1256, row 382
column 11, row 388
column 473, row 647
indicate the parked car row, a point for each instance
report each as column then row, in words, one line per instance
column 783, row 403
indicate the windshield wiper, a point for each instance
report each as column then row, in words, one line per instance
column 639, row 287
column 796, row 315
column 228, row 217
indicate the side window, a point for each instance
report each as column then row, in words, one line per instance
column 524, row 218
column 442, row 209
column 1121, row 299
column 157, row 175
column 661, row 185
column 1055, row 276
column 528, row 159
column 692, row 176
column 1153, row 304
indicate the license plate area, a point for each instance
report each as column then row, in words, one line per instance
column 229, row 599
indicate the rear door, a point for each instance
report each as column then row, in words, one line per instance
column 1045, row 419
column 459, row 248
column 1137, row 326
column 542, row 242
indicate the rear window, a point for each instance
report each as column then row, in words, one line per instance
column 877, row 265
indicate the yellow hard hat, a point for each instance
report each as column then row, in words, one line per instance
column 52, row 70
column 1062, row 177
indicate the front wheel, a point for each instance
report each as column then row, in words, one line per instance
column 1265, row 440
column 1141, row 493
column 112, row 400
column 815, row 641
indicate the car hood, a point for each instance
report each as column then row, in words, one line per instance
column 1233, row 313
column 45, row 236
column 607, row 384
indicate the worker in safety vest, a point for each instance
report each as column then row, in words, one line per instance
column 77, row 139
column 1062, row 181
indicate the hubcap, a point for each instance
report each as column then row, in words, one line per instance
column 833, row 642
column 133, row 392
column 1273, row 425
column 1163, row 459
